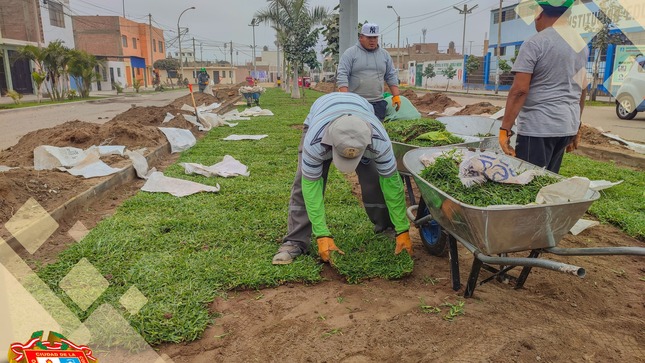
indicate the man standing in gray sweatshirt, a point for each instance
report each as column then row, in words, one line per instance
column 364, row 68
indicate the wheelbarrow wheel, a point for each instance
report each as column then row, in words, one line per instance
column 433, row 237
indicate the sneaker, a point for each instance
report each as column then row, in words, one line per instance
column 287, row 252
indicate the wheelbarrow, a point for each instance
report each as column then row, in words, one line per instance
column 252, row 97
column 492, row 230
column 433, row 238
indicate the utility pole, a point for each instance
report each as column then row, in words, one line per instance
column 194, row 63
column 152, row 55
column 231, row 71
column 201, row 53
column 470, row 51
column 499, row 42
column 254, row 23
column 465, row 11
column 124, row 8
column 398, row 38
column 225, row 44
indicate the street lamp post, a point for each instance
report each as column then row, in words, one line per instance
column 181, row 61
column 254, row 23
column 398, row 37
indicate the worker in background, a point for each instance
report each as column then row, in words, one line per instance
column 341, row 128
column 365, row 67
column 548, row 93
column 202, row 79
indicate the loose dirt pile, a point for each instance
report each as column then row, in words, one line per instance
column 430, row 102
column 479, row 109
column 135, row 128
column 326, row 87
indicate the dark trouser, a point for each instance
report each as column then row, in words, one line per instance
column 542, row 151
column 379, row 109
column 298, row 224
column 202, row 87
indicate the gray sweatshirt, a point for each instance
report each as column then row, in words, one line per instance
column 364, row 72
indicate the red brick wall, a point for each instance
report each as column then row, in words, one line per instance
column 18, row 20
column 98, row 35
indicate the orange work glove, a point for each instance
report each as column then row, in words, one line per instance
column 396, row 102
column 505, row 141
column 575, row 141
column 403, row 242
column 325, row 246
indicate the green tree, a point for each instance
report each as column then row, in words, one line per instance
column 472, row 64
column 331, row 35
column 449, row 73
column 294, row 22
column 82, row 67
column 52, row 62
column 168, row 64
column 428, row 72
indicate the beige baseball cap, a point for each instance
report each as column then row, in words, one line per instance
column 348, row 136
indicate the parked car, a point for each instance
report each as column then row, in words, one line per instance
column 630, row 98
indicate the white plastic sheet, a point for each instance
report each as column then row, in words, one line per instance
column 244, row 137
column 169, row 116
column 159, row 183
column 50, row 157
column 256, row 111
column 111, row 150
column 639, row 148
column 569, row 190
column 179, row 139
column 228, row 167
column 91, row 167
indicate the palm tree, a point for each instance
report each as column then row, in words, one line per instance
column 292, row 20
column 51, row 60
column 82, row 66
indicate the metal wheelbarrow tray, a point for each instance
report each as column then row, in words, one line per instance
column 500, row 230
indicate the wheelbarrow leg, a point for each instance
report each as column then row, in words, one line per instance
column 408, row 184
column 454, row 262
column 472, row 279
column 525, row 271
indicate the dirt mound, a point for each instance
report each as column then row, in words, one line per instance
column 325, row 87
column 410, row 95
column 436, row 102
column 593, row 136
column 479, row 108
column 49, row 188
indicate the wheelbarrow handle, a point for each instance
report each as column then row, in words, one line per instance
column 417, row 222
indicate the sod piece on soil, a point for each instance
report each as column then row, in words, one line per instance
column 183, row 252
column 622, row 205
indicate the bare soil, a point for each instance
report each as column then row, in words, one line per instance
column 480, row 108
column 554, row 318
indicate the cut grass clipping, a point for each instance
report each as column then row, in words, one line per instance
column 181, row 253
column 622, row 205
column 444, row 174
column 421, row 132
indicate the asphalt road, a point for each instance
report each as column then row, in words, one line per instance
column 16, row 123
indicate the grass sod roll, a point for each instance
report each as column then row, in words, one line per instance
column 444, row 174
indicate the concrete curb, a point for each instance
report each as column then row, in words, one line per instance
column 72, row 206
column 631, row 160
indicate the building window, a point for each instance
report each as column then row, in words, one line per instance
column 507, row 15
column 124, row 41
column 104, row 73
column 502, row 51
column 118, row 72
column 134, row 42
column 138, row 71
column 56, row 15
column 154, row 46
column 160, row 47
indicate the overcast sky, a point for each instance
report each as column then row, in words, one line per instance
column 215, row 22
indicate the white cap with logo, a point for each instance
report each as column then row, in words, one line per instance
column 370, row 30
column 348, row 136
